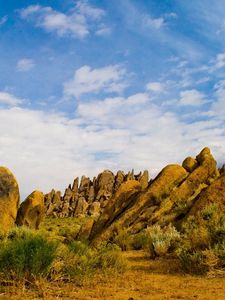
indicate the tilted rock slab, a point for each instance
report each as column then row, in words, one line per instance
column 167, row 180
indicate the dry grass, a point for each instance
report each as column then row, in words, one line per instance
column 146, row 279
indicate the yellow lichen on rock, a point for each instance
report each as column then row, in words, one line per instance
column 190, row 164
column 31, row 211
column 118, row 203
column 9, row 199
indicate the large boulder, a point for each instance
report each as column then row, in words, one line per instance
column 31, row 211
column 94, row 209
column 105, row 186
column 53, row 201
column 81, row 207
column 9, row 198
column 181, row 199
column 214, row 194
column 190, row 164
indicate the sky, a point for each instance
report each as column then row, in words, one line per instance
column 88, row 85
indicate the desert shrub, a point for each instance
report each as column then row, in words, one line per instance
column 26, row 255
column 202, row 248
column 139, row 241
column 105, row 258
column 123, row 239
column 78, row 247
column 161, row 240
column 192, row 261
column 127, row 241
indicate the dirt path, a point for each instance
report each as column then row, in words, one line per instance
column 145, row 280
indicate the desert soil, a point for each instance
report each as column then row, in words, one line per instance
column 145, row 279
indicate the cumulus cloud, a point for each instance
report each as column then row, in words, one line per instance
column 156, row 87
column 191, row 98
column 25, row 65
column 110, row 110
column 9, row 99
column 86, row 80
column 155, row 23
column 47, row 150
column 77, row 22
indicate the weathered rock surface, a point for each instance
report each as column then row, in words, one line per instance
column 90, row 196
column 94, row 209
column 9, row 198
column 168, row 178
column 120, row 202
column 168, row 198
column 214, row 194
column 133, row 202
column 190, row 164
column 31, row 211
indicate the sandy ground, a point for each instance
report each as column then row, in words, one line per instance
column 145, row 279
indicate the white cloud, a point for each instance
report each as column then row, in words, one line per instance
column 46, row 150
column 3, row 20
column 103, row 31
column 191, row 98
column 25, row 64
column 85, row 9
column 26, row 12
column 103, row 110
column 156, row 87
column 9, row 99
column 76, row 23
column 156, row 23
column 86, row 80
column 220, row 61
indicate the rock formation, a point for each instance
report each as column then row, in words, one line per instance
column 90, row 196
column 31, row 211
column 168, row 198
column 9, row 199
column 132, row 202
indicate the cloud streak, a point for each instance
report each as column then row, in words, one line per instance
column 25, row 65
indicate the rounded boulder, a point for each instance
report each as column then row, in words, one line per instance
column 9, row 198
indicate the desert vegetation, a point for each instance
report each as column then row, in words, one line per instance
column 115, row 229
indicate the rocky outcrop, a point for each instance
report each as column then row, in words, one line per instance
column 31, row 211
column 133, row 202
column 140, row 205
column 90, row 196
column 9, row 198
column 123, row 198
column 214, row 194
column 168, row 198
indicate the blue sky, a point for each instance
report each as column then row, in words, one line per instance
column 93, row 85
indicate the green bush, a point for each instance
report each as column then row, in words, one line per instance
column 24, row 255
column 105, row 258
column 192, row 261
column 78, row 247
column 139, row 241
column 161, row 240
column 123, row 239
column 202, row 248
